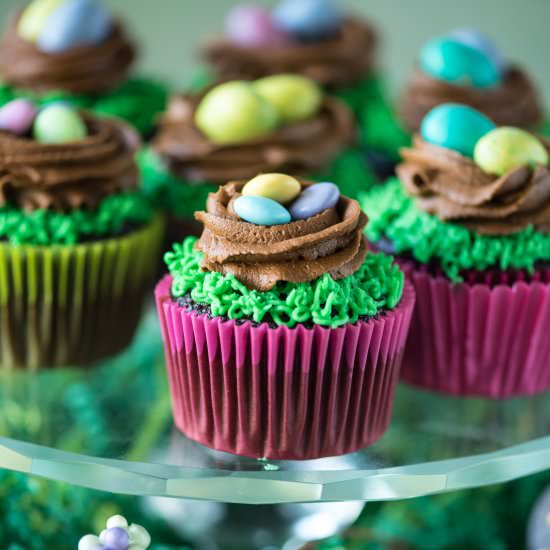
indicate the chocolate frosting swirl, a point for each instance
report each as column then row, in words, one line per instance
column 337, row 61
column 79, row 70
column 453, row 188
column 329, row 242
column 513, row 103
column 301, row 147
column 71, row 175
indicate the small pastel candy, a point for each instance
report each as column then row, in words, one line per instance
column 74, row 23
column 309, row 19
column 58, row 124
column 34, row 17
column 233, row 113
column 260, row 211
column 117, row 521
column 89, row 542
column 249, row 25
column 278, row 187
column 116, row 538
column 452, row 61
column 294, row 97
column 454, row 126
column 506, row 148
column 314, row 199
column 476, row 39
column 17, row 116
column 139, row 536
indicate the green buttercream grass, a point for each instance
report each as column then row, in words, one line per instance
column 45, row 227
column 393, row 214
column 377, row 286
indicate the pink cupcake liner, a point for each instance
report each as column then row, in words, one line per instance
column 282, row 393
column 488, row 336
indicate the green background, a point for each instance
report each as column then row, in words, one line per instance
column 170, row 30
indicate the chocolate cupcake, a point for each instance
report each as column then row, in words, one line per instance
column 465, row 67
column 470, row 225
column 283, row 334
column 78, row 244
column 75, row 51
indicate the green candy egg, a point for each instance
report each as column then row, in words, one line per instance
column 506, row 148
column 294, row 97
column 34, row 18
column 58, row 124
column 233, row 113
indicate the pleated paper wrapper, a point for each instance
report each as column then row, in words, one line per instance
column 488, row 336
column 282, row 393
column 71, row 305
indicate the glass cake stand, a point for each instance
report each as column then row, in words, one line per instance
column 109, row 428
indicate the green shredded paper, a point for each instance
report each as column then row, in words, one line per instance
column 377, row 286
column 393, row 214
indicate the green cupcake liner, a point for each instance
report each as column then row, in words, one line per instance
column 71, row 305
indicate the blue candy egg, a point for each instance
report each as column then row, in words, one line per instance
column 454, row 126
column 313, row 200
column 481, row 42
column 308, row 19
column 260, row 210
column 449, row 60
column 74, row 23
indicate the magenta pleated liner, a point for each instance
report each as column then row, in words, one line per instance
column 488, row 336
column 282, row 393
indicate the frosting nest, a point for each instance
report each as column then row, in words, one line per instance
column 302, row 147
column 513, row 103
column 72, row 175
column 83, row 69
column 259, row 256
column 336, row 61
column 452, row 187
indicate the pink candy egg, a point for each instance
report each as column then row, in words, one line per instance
column 17, row 116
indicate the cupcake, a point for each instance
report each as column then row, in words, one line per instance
column 466, row 67
column 283, row 334
column 78, row 243
column 239, row 129
column 76, row 51
column 319, row 40
column 469, row 220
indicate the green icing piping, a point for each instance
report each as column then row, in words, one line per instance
column 137, row 101
column 393, row 214
column 376, row 286
column 45, row 227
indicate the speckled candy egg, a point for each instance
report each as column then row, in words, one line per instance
column 233, row 112
column 454, row 126
column 34, row 16
column 506, row 148
column 294, row 97
column 481, row 42
column 278, row 187
column 249, row 25
column 260, row 211
column 17, row 116
column 452, row 61
column 308, row 19
column 58, row 123
column 314, row 199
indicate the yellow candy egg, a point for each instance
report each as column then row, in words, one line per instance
column 34, row 18
column 278, row 187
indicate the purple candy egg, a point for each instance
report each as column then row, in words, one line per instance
column 249, row 25
column 313, row 200
column 115, row 538
column 17, row 116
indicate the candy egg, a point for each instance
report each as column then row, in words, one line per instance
column 17, row 116
column 449, row 60
column 233, row 112
column 116, row 538
column 34, row 17
column 479, row 41
column 456, row 127
column 58, row 124
column 308, row 19
column 139, row 535
column 249, row 25
column 506, row 148
column 74, row 23
column 314, row 199
column 278, row 187
column 117, row 521
column 260, row 211
column 294, row 97
column 89, row 542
